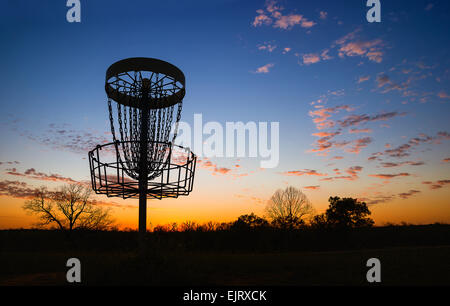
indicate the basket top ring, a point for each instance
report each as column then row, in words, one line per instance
column 171, row 94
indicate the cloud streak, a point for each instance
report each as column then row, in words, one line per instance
column 272, row 15
column 33, row 174
column 406, row 195
column 389, row 176
column 264, row 69
column 437, row 184
column 303, row 172
column 354, row 120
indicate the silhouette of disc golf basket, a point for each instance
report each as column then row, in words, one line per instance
column 142, row 161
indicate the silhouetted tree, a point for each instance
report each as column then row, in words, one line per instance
column 189, row 226
column 68, row 208
column 344, row 213
column 319, row 221
column 288, row 222
column 287, row 208
column 249, row 222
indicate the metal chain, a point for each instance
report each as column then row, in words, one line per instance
column 160, row 125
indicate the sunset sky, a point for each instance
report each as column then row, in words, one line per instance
column 363, row 108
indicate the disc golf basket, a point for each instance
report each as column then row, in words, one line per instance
column 145, row 98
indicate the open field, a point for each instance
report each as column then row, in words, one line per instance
column 110, row 258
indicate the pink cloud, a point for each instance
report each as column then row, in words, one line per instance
column 359, row 144
column 311, row 58
column 261, row 19
column 337, row 157
column 321, row 115
column 273, row 16
column 443, row 95
column 222, row 170
column 267, row 46
column 325, row 134
column 286, row 22
column 325, row 55
column 323, row 15
column 389, row 176
column 350, row 47
column 363, row 79
column 303, row 172
column 264, row 69
column 369, row 49
column 352, row 174
column 312, row 187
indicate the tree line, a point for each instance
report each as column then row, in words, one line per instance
column 70, row 207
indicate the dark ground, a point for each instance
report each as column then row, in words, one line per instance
column 409, row 255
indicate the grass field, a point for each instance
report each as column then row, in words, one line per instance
column 113, row 265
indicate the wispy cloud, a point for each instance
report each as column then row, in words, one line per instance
column 303, row 172
column 388, row 85
column 363, row 79
column 389, row 176
column 317, row 187
column 22, row 190
column 16, row 189
column 337, row 157
column 357, row 131
column 267, row 47
column 359, row 144
column 311, row 58
column 377, row 199
column 264, row 69
column 437, row 184
column 443, row 95
column 406, row 163
column 354, row 120
column 64, row 139
column 272, row 15
column 33, row 174
column 405, row 149
column 406, row 195
column 429, row 7
column 286, row 50
column 10, row 163
column 234, row 172
column 320, row 116
column 352, row 174
column 350, row 46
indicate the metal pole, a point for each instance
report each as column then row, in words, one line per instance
column 143, row 162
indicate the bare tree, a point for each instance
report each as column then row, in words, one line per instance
column 67, row 208
column 288, row 207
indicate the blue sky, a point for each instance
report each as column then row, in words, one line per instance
column 54, row 74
